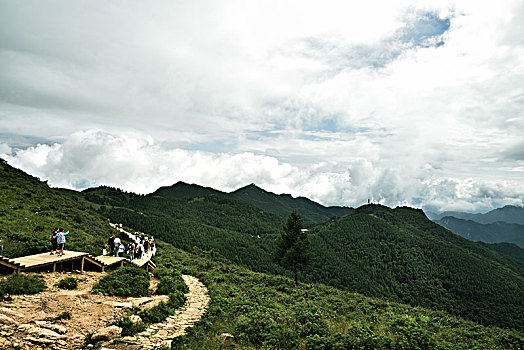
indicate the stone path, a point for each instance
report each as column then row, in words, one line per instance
column 163, row 333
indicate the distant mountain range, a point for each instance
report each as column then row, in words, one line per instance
column 504, row 224
column 509, row 213
column 278, row 204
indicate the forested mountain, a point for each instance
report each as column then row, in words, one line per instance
column 490, row 233
column 400, row 255
column 30, row 211
column 280, row 205
column 509, row 213
column 397, row 254
column 510, row 249
column 283, row 204
column 182, row 190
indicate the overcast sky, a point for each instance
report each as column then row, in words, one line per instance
column 405, row 102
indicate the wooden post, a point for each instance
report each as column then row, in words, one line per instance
column 54, row 267
column 103, row 268
column 122, row 263
column 82, row 265
column 72, row 264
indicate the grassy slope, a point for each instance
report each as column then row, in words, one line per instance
column 269, row 311
column 30, row 211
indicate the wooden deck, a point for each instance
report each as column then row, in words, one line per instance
column 45, row 259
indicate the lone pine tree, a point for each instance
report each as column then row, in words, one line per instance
column 292, row 247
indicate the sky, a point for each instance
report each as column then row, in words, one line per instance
column 415, row 103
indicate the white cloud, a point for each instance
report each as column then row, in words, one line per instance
column 339, row 101
column 92, row 157
column 4, row 149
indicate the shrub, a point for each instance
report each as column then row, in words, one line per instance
column 161, row 311
column 66, row 315
column 156, row 314
column 257, row 327
column 171, row 283
column 129, row 327
column 68, row 283
column 128, row 281
column 22, row 284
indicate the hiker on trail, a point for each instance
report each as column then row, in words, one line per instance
column 152, row 245
column 105, row 251
column 139, row 251
column 117, row 242
column 1, row 248
column 52, row 239
column 121, row 250
column 131, row 250
column 60, row 239
column 146, row 246
column 111, row 243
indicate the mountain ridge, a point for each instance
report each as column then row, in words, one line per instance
column 278, row 204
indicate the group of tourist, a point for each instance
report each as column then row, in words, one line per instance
column 58, row 241
column 115, row 247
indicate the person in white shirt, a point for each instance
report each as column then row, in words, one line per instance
column 117, row 243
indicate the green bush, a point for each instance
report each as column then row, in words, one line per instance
column 22, row 284
column 66, row 315
column 257, row 327
column 156, row 314
column 171, row 283
column 129, row 327
column 128, row 281
column 68, row 283
column 161, row 311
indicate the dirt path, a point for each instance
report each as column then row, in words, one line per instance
column 163, row 333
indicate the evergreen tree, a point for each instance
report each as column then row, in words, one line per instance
column 292, row 247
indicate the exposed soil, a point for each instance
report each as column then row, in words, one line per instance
column 89, row 312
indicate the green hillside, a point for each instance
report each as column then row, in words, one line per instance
column 397, row 254
column 400, row 255
column 30, row 211
column 509, row 249
column 496, row 232
column 267, row 311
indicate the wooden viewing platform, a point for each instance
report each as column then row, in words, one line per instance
column 45, row 259
column 76, row 259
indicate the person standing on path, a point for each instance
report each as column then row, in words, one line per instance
column 54, row 244
column 60, row 239
column 111, row 243
column 139, row 251
column 117, row 245
column 131, row 250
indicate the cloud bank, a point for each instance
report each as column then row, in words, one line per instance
column 91, row 158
